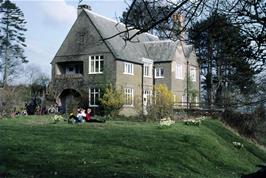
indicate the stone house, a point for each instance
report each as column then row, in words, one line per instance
column 88, row 59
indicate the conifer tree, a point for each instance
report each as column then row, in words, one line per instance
column 225, row 59
column 12, row 29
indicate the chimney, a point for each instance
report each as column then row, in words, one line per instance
column 178, row 25
column 83, row 6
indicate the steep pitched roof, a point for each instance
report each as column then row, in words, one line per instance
column 132, row 51
column 161, row 51
column 142, row 46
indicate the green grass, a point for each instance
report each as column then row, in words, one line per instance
column 34, row 147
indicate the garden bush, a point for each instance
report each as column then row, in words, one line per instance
column 162, row 103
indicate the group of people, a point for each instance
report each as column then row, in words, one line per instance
column 83, row 116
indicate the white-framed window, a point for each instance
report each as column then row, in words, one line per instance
column 96, row 64
column 159, row 72
column 179, row 72
column 147, row 70
column 148, row 94
column 193, row 73
column 94, row 96
column 129, row 97
column 128, row 68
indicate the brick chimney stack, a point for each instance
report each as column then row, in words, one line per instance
column 83, row 6
column 178, row 26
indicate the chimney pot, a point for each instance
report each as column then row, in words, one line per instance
column 175, row 17
column 83, row 6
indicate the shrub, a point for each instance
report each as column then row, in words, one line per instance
column 112, row 101
column 244, row 123
column 162, row 103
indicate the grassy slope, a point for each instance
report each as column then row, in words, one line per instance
column 34, row 147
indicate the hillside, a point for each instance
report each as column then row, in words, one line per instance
column 34, row 147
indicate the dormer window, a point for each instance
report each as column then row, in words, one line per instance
column 96, row 64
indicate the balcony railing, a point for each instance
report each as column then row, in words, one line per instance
column 69, row 76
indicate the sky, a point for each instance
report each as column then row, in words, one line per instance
column 49, row 21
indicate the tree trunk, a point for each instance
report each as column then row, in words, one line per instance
column 209, row 82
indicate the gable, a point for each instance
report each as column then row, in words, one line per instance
column 126, row 50
column 82, row 39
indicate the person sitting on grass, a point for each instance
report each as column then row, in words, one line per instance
column 88, row 117
column 80, row 116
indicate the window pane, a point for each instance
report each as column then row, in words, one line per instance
column 101, row 66
column 92, row 66
column 92, row 102
column 96, row 66
column 146, row 71
column 157, row 72
column 94, row 96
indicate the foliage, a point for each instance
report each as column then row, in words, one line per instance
column 144, row 12
column 238, row 145
column 248, row 16
column 12, row 29
column 13, row 98
column 192, row 122
column 112, row 101
column 57, row 118
column 191, row 90
column 162, row 103
column 127, row 149
column 244, row 123
column 166, row 122
column 195, row 121
column 225, row 58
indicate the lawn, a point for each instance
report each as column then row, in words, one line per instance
column 34, row 147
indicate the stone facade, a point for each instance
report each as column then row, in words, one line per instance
column 86, row 62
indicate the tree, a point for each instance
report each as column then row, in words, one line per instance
column 247, row 15
column 145, row 12
column 225, row 58
column 191, row 91
column 12, row 29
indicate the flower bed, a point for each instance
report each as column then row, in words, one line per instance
column 166, row 122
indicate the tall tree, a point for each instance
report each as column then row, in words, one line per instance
column 12, row 26
column 247, row 15
column 225, row 58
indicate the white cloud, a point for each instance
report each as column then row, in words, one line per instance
column 59, row 11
